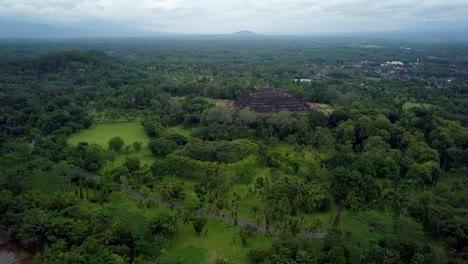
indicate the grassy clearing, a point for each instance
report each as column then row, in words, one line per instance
column 179, row 130
column 222, row 103
column 130, row 132
column 327, row 107
column 101, row 134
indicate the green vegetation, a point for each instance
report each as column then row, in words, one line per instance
column 409, row 105
column 101, row 134
column 327, row 107
column 136, row 157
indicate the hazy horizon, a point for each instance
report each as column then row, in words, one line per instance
column 266, row 17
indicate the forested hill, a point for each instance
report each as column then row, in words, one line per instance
column 71, row 67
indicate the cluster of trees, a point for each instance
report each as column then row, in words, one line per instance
column 68, row 232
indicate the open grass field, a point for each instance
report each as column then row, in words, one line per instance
column 129, row 131
column 101, row 134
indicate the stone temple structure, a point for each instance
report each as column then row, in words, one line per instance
column 272, row 101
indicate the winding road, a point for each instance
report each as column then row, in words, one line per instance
column 227, row 219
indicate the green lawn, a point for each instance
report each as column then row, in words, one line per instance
column 130, row 132
column 101, row 134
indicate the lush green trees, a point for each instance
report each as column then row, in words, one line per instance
column 132, row 164
column 161, row 146
column 91, row 157
column 116, row 144
column 390, row 152
column 221, row 151
column 137, row 146
column 163, row 224
column 353, row 187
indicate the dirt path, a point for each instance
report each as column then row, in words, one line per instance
column 224, row 218
column 337, row 217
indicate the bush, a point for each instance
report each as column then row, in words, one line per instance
column 177, row 138
column 198, row 224
column 116, row 144
column 161, row 146
column 163, row 224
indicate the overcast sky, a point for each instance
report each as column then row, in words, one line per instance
column 263, row 16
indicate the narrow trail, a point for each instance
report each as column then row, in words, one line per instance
column 224, row 218
column 337, row 220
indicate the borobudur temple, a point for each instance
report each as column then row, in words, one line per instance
column 272, row 101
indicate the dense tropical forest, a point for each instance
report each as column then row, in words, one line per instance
column 131, row 151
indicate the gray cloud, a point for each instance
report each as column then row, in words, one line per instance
column 211, row 16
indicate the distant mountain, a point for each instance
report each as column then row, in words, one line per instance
column 32, row 30
column 245, row 33
column 102, row 28
column 82, row 29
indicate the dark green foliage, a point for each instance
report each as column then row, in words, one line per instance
column 137, row 146
column 161, row 146
column 198, row 223
column 286, row 250
column 163, row 225
column 91, row 157
column 153, row 128
column 353, row 187
column 132, row 164
column 221, row 151
column 116, row 144
column 316, row 119
column 393, row 151
column 177, row 138
column 223, row 132
column 246, row 232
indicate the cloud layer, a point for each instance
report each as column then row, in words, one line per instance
column 211, row 16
